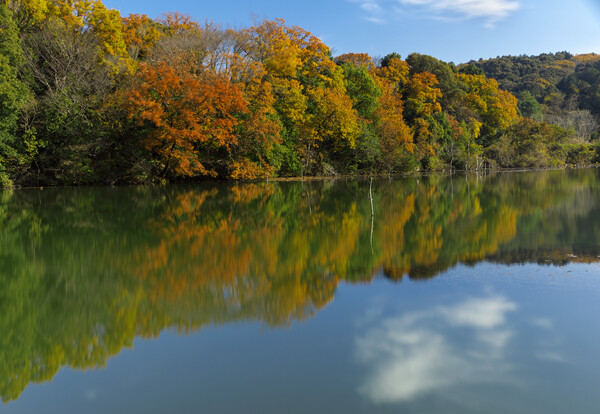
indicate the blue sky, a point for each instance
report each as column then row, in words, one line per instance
column 451, row 30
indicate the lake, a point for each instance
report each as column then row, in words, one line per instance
column 476, row 294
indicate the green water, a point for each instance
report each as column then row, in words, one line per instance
column 449, row 295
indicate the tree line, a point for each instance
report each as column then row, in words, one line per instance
column 90, row 97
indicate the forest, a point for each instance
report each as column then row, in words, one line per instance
column 88, row 96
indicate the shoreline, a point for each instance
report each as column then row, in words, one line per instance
column 414, row 174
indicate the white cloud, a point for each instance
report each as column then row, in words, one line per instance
column 370, row 6
column 374, row 12
column 373, row 19
column 491, row 11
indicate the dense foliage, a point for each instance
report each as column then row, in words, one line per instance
column 88, row 96
column 558, row 88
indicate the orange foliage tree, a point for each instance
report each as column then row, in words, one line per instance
column 189, row 116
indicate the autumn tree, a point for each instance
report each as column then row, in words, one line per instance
column 333, row 121
column 140, row 34
column 395, row 71
column 421, row 102
column 359, row 60
column 309, row 90
column 395, row 136
column 190, row 120
column 445, row 74
column 496, row 109
column 27, row 13
column 175, row 23
column 259, row 133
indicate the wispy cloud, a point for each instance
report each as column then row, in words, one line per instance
column 370, row 6
column 372, row 9
column 374, row 19
column 490, row 11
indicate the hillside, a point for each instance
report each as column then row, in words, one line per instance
column 559, row 88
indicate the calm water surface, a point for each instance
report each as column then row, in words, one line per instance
column 463, row 295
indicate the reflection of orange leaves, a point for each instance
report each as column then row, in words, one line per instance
column 194, row 255
column 485, row 237
column 184, row 204
column 246, row 193
column 457, row 211
column 325, row 242
column 507, row 227
column 392, row 233
column 343, row 242
column 428, row 248
column 184, row 259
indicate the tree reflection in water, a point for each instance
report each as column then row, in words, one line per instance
column 85, row 271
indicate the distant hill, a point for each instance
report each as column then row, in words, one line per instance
column 559, row 88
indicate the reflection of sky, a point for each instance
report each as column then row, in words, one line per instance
column 488, row 339
column 426, row 351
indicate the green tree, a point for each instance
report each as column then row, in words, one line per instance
column 385, row 62
column 529, row 106
column 363, row 90
column 13, row 93
column 71, row 88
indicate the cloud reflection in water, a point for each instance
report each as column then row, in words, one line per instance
column 425, row 352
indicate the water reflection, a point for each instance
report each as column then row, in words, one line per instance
column 85, row 271
column 420, row 352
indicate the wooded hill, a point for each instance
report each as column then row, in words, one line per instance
column 558, row 88
column 90, row 97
